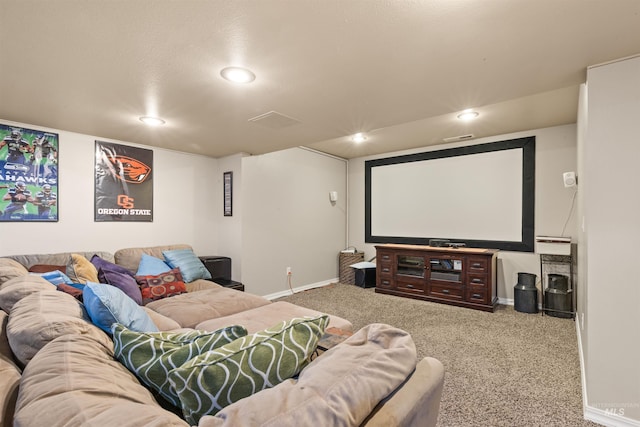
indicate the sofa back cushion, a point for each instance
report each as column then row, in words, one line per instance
column 344, row 383
column 130, row 257
column 9, row 376
column 61, row 258
column 75, row 381
column 39, row 318
column 10, row 269
column 15, row 289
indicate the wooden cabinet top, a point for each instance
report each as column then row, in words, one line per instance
column 462, row 250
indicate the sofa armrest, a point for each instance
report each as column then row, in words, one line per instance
column 415, row 402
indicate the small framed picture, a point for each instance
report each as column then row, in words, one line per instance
column 228, row 193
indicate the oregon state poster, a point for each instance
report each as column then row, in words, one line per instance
column 28, row 174
column 123, row 183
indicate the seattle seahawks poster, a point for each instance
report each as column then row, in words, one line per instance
column 123, row 183
column 28, row 174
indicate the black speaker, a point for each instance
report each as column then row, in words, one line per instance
column 218, row 266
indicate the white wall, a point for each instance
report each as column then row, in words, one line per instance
column 555, row 154
column 288, row 220
column 183, row 202
column 611, row 210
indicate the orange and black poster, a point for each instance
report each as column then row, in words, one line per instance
column 123, row 183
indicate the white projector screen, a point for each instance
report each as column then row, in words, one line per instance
column 481, row 195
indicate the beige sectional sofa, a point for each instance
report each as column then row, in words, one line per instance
column 58, row 368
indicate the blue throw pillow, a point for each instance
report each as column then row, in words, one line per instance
column 56, row 277
column 107, row 305
column 151, row 266
column 189, row 264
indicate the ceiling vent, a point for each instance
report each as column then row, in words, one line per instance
column 274, row 120
column 459, row 138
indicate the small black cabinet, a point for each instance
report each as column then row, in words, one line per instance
column 220, row 269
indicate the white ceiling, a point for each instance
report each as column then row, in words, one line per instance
column 398, row 69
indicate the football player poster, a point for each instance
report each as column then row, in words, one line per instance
column 123, row 183
column 28, row 174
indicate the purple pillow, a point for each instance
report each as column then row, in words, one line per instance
column 100, row 263
column 122, row 281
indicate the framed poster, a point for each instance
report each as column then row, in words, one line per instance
column 123, row 183
column 28, row 175
column 228, row 193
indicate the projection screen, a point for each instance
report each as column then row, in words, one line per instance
column 481, row 195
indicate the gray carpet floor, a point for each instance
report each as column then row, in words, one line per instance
column 501, row 369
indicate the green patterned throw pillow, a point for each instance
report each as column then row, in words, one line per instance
column 213, row 380
column 151, row 355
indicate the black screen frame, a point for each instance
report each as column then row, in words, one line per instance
column 527, row 240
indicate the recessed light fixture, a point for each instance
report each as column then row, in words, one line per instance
column 237, row 75
column 467, row 115
column 152, row 121
column 359, row 137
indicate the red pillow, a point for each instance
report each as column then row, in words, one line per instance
column 163, row 285
column 74, row 292
column 45, row 268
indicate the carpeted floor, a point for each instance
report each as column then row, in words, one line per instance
column 502, row 369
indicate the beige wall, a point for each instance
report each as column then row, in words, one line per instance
column 288, row 220
column 555, row 154
column 611, row 206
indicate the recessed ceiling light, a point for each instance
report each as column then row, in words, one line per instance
column 468, row 115
column 359, row 137
column 237, row 75
column 151, row 121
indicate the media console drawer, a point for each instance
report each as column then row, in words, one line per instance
column 459, row 276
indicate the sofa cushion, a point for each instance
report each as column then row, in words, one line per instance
column 259, row 318
column 8, row 272
column 151, row 266
column 163, row 323
column 107, row 305
column 15, row 289
column 150, row 356
column 39, row 318
column 80, row 270
column 194, row 307
column 9, row 376
column 344, row 384
column 163, row 285
column 76, row 381
column 189, row 264
column 10, row 262
column 130, row 257
column 220, row 377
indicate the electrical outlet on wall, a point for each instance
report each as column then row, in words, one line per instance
column 288, row 271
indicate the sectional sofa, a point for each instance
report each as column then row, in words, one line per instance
column 61, row 365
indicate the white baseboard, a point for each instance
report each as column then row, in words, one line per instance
column 505, row 301
column 608, row 419
column 300, row 289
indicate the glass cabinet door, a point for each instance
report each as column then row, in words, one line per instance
column 446, row 269
column 411, row 266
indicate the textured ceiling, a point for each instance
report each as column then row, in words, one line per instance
column 400, row 70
